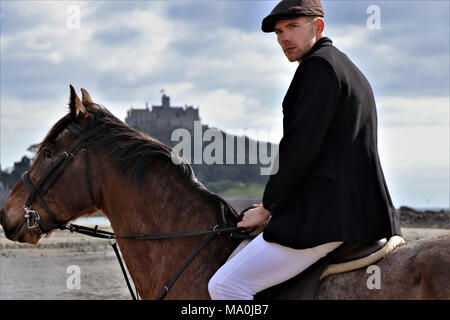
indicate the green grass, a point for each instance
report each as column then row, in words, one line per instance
column 251, row 190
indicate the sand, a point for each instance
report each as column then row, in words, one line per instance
column 49, row 270
column 46, row 271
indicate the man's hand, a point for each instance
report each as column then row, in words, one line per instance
column 254, row 217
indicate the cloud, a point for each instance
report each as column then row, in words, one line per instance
column 23, row 125
column 407, row 56
column 213, row 55
column 413, row 111
column 415, row 163
column 212, row 15
column 392, row 64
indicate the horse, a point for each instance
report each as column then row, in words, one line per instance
column 135, row 182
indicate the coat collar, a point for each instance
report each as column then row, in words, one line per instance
column 292, row 92
column 322, row 42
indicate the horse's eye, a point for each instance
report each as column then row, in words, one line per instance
column 48, row 154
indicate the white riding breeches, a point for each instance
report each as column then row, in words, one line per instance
column 260, row 265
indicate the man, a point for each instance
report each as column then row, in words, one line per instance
column 329, row 187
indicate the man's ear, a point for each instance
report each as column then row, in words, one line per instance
column 320, row 26
column 75, row 105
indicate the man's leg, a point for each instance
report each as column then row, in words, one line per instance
column 261, row 265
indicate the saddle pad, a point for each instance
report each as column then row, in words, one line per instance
column 392, row 243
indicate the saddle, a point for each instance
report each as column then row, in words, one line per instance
column 347, row 257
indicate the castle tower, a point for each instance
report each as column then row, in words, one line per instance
column 160, row 121
column 165, row 101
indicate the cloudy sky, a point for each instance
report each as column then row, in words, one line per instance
column 213, row 55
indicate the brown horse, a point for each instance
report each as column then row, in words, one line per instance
column 134, row 181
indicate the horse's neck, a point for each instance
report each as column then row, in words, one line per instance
column 164, row 203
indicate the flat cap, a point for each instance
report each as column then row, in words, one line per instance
column 289, row 9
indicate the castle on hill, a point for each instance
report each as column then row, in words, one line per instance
column 160, row 120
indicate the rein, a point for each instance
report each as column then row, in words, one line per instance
column 95, row 232
column 32, row 218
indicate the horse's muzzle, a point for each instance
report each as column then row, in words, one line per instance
column 1, row 217
column 11, row 233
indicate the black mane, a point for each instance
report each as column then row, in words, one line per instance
column 131, row 151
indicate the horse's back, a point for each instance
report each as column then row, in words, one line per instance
column 416, row 270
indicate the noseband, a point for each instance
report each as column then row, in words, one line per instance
column 38, row 190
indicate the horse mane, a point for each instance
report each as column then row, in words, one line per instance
column 131, row 151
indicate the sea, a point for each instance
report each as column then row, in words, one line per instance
column 103, row 221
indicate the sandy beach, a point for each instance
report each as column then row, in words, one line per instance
column 44, row 271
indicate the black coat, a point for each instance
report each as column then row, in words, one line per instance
column 329, row 185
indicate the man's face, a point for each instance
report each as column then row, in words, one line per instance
column 296, row 36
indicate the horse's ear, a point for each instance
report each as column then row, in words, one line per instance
column 75, row 104
column 86, row 98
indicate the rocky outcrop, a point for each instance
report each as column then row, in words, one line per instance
column 410, row 217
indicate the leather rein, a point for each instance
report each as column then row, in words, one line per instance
column 32, row 218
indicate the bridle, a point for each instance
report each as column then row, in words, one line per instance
column 32, row 218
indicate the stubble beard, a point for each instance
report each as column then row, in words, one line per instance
column 299, row 52
column 294, row 56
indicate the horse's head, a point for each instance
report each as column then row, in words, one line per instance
column 56, row 189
